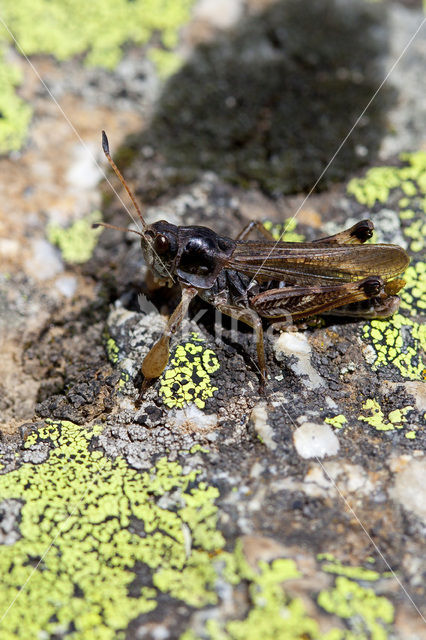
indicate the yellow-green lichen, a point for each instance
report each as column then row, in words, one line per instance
column 274, row 614
column 98, row 30
column 285, row 231
column 410, row 435
column 355, row 573
column 399, row 342
column 77, row 241
column 410, row 179
column 377, row 186
column 112, row 349
column 197, row 447
column 124, row 379
column 413, row 295
column 187, row 377
column 395, row 420
column 417, row 232
column 15, row 115
column 167, row 62
column 338, row 421
column 378, row 182
column 369, row 614
column 75, row 519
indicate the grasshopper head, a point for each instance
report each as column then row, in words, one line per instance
column 159, row 246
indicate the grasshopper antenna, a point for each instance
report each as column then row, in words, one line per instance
column 142, row 234
column 95, row 225
column 105, row 147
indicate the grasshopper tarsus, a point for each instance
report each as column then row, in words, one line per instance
column 266, row 280
column 146, row 383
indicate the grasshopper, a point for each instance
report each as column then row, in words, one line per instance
column 266, row 279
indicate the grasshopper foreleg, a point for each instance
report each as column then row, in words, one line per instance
column 157, row 357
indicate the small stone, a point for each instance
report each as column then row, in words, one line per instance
column 45, row 262
column 296, row 344
column 221, row 14
column 192, row 420
column 84, row 172
column 67, row 285
column 259, row 418
column 315, row 440
column 9, row 248
column 408, row 489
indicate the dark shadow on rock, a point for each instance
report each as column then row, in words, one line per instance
column 269, row 103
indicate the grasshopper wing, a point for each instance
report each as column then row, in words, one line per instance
column 310, row 263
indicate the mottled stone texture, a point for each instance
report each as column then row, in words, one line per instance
column 208, row 511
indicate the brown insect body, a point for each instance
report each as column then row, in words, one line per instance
column 275, row 281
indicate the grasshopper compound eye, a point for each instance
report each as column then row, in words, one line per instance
column 161, row 245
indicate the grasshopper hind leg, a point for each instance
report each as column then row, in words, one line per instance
column 300, row 302
column 381, row 306
column 359, row 233
column 368, row 309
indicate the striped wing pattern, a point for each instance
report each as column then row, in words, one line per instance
column 307, row 263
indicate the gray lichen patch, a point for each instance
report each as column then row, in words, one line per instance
column 9, row 521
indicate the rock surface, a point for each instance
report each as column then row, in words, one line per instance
column 208, row 511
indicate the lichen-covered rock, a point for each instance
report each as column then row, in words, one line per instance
column 203, row 510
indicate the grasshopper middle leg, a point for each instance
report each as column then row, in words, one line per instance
column 252, row 319
column 254, row 225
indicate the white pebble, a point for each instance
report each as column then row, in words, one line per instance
column 296, row 344
column 66, row 285
column 259, row 418
column 315, row 440
column 84, row 173
column 192, row 419
column 409, row 489
column 292, row 343
column 219, row 13
column 45, row 262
